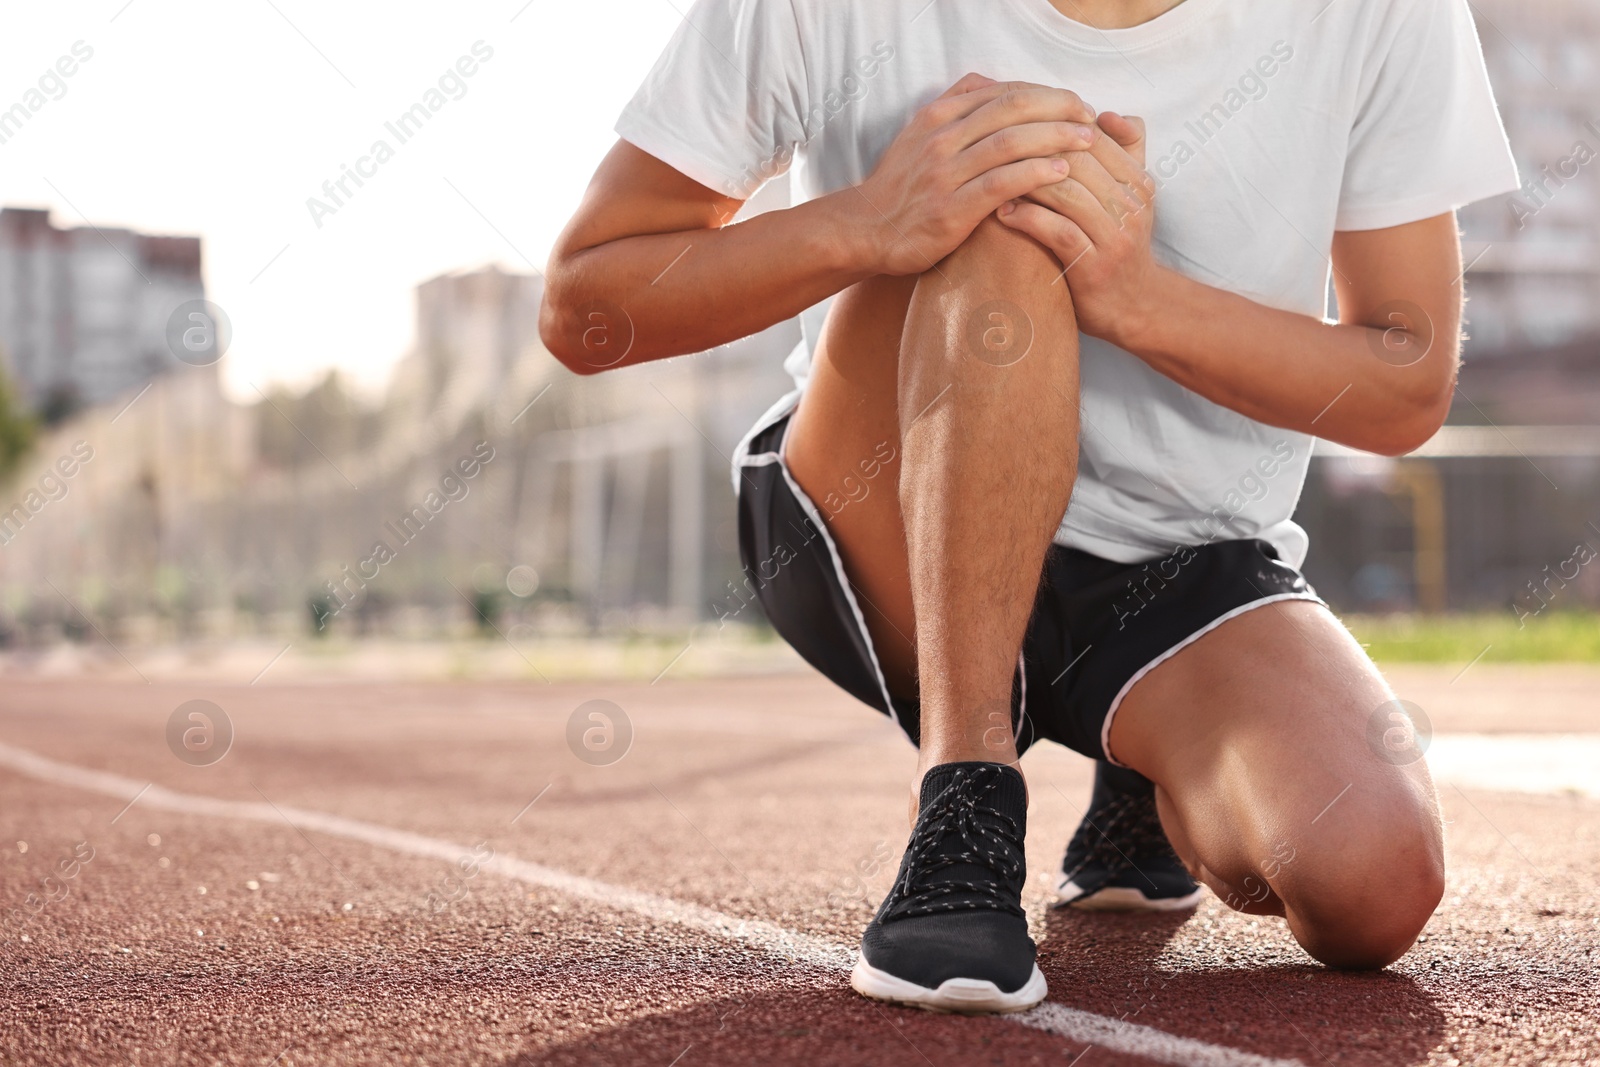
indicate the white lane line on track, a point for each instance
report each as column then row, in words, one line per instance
column 1146, row 1041
column 1553, row 764
column 1112, row 1034
column 766, row 936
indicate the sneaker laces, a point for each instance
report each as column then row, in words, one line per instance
column 1120, row 829
column 992, row 842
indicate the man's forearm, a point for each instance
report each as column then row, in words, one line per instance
column 668, row 294
column 1292, row 370
column 646, row 269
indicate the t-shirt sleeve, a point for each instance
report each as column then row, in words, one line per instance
column 1427, row 137
column 725, row 102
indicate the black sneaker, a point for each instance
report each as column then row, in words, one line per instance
column 1120, row 859
column 951, row 935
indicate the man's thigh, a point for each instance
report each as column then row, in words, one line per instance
column 1267, row 740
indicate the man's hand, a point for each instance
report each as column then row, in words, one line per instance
column 979, row 145
column 1381, row 380
column 1098, row 224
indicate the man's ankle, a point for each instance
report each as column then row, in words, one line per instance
column 929, row 759
column 981, row 733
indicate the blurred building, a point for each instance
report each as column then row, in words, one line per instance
column 472, row 330
column 83, row 310
column 608, row 496
column 1534, row 277
column 613, row 488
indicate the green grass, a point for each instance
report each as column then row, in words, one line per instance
column 1552, row 637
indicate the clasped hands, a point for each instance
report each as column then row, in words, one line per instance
column 1045, row 164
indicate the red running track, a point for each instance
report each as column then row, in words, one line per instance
column 376, row 887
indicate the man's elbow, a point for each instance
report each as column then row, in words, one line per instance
column 1402, row 441
column 1404, row 436
column 562, row 335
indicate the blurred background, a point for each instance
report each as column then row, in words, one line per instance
column 288, row 474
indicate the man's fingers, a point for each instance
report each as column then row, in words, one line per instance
column 1127, row 132
column 953, row 106
column 1031, row 139
column 1056, row 232
column 1073, row 200
column 1000, row 106
column 1121, row 157
column 1114, row 196
column 981, row 195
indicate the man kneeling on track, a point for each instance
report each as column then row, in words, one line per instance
column 1012, row 302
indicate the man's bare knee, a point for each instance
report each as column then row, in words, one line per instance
column 996, row 256
column 1363, row 903
column 993, row 301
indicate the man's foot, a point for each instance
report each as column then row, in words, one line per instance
column 1120, row 859
column 951, row 935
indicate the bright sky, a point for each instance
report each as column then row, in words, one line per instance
column 222, row 119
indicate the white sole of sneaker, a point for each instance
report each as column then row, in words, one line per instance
column 968, row 996
column 1120, row 898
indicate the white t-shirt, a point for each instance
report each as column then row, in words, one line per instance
column 1271, row 124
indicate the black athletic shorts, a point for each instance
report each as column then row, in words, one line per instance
column 1097, row 626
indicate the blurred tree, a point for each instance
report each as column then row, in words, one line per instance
column 61, row 402
column 486, row 608
column 327, row 420
column 321, row 608
column 17, row 429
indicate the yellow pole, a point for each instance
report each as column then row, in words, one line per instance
column 1419, row 479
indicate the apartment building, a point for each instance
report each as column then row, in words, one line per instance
column 84, row 309
column 1534, row 278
